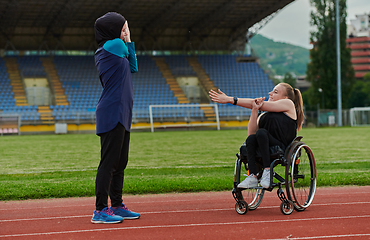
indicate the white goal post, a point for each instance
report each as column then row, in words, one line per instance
column 360, row 116
column 182, row 113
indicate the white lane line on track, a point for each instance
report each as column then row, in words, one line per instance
column 170, row 211
column 151, row 202
column 142, row 213
column 73, row 205
column 326, row 236
column 180, row 225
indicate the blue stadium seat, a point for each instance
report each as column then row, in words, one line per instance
column 31, row 66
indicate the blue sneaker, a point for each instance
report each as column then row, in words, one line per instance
column 106, row 216
column 124, row 212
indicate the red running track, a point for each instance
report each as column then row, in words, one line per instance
column 336, row 213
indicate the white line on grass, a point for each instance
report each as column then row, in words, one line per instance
column 182, row 225
column 169, row 167
column 133, row 168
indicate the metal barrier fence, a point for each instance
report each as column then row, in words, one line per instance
column 326, row 117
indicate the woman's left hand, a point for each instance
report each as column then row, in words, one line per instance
column 219, row 97
column 258, row 102
column 126, row 33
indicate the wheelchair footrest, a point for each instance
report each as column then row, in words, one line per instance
column 237, row 195
column 281, row 195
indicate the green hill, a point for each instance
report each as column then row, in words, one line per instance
column 280, row 57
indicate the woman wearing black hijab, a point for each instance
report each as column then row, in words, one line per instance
column 115, row 60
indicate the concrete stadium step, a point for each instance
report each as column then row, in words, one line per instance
column 170, row 80
column 57, row 88
column 206, row 83
column 46, row 116
column 16, row 82
column 203, row 77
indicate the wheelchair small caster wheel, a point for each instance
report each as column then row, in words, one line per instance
column 241, row 207
column 286, row 208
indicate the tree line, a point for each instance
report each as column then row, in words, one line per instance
column 322, row 69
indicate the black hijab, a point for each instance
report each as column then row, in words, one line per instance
column 108, row 27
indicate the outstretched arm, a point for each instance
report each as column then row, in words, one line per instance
column 282, row 105
column 221, row 97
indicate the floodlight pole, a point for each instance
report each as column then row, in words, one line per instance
column 339, row 90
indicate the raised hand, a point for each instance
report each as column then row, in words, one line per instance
column 126, row 33
column 219, row 97
column 258, row 102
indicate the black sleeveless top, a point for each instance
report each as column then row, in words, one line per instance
column 280, row 126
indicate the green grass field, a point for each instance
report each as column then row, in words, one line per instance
column 50, row 166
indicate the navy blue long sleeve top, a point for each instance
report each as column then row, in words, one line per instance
column 115, row 61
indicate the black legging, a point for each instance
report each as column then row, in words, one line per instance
column 110, row 175
column 262, row 140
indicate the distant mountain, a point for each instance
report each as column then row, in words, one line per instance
column 280, row 58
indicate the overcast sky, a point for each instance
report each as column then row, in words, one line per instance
column 292, row 23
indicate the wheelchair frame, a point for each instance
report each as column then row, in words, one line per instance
column 299, row 180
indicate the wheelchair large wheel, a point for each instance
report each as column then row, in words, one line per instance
column 252, row 196
column 301, row 176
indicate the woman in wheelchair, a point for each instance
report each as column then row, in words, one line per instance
column 277, row 126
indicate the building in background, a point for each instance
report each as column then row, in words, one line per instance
column 358, row 40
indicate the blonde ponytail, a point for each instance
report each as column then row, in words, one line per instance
column 298, row 102
column 295, row 95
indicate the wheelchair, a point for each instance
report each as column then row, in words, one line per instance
column 293, row 169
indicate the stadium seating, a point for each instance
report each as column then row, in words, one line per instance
column 240, row 79
column 6, row 94
column 179, row 65
column 30, row 66
column 81, row 84
column 150, row 88
column 82, row 87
